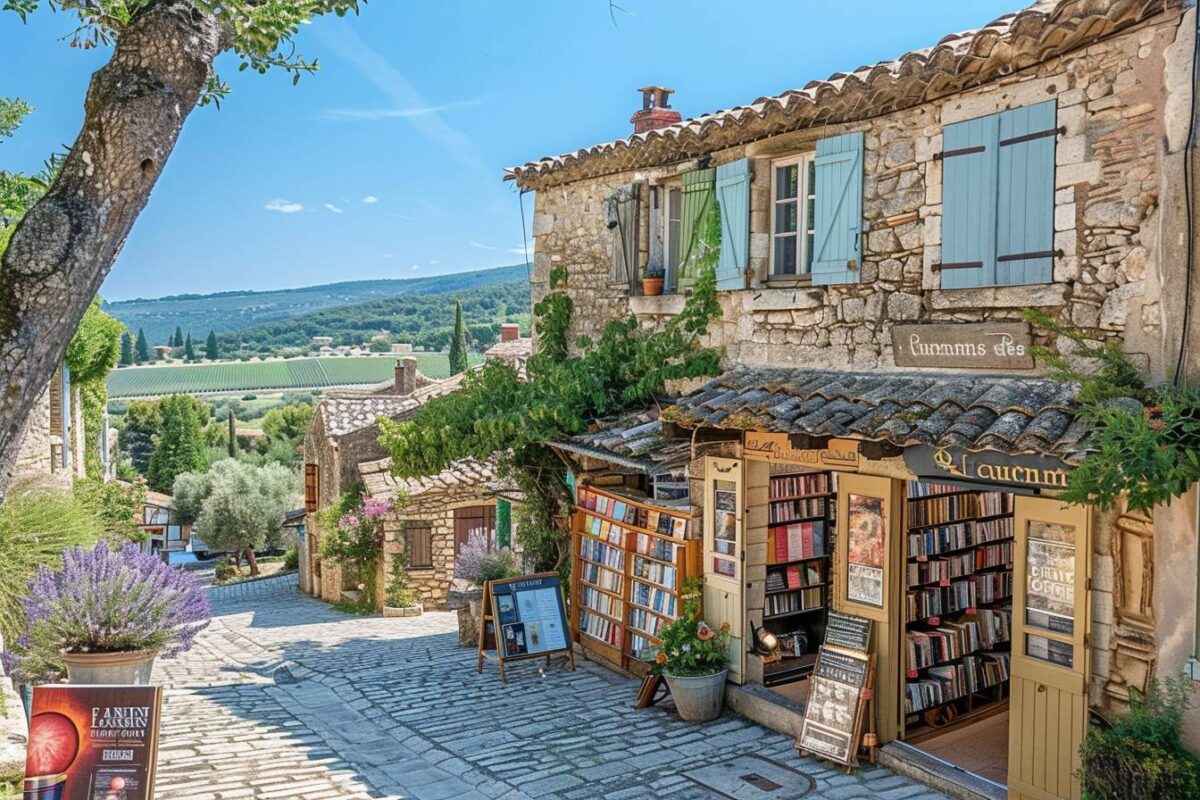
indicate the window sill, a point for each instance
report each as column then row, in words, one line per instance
column 422, row 569
column 1005, row 296
column 789, row 280
column 796, row 296
column 657, row 305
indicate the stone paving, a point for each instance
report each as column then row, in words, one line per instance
column 284, row 697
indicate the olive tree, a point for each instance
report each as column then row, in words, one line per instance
column 237, row 507
column 161, row 67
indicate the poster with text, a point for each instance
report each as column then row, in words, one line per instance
column 92, row 743
column 1050, row 577
column 831, row 716
column 866, row 539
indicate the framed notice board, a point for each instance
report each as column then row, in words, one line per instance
column 833, row 720
column 524, row 618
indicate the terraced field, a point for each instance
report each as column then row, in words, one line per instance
column 295, row 373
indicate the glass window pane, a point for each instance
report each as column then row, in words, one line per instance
column 786, row 217
column 785, row 255
column 786, row 179
column 808, row 252
column 1050, row 650
column 725, row 529
column 1050, row 577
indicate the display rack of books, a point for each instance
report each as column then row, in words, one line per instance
column 797, row 590
column 959, row 587
column 632, row 556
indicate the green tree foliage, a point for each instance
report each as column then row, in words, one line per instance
column 140, row 424
column 92, row 353
column 116, row 504
column 180, row 446
column 458, row 342
column 237, row 507
column 18, row 191
column 212, row 350
column 177, row 338
column 289, row 423
column 143, row 348
column 189, row 351
column 127, row 358
column 627, row 367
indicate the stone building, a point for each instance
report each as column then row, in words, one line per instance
column 52, row 445
column 882, row 232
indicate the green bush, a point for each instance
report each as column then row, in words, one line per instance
column 1142, row 755
column 291, row 559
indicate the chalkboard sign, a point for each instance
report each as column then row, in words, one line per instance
column 523, row 618
column 833, row 718
column 843, row 630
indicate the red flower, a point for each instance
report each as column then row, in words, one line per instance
column 724, row 627
column 703, row 632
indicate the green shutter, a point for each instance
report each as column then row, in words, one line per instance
column 503, row 523
column 969, row 203
column 697, row 196
column 733, row 198
column 837, row 224
column 1025, row 188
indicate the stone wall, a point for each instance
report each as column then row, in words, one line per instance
column 437, row 510
column 1119, row 165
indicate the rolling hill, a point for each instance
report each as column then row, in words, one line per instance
column 231, row 311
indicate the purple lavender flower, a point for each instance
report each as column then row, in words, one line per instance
column 104, row 601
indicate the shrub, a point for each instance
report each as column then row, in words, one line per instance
column 399, row 593
column 691, row 647
column 106, row 601
column 1142, row 755
column 355, row 540
column 479, row 563
column 291, row 559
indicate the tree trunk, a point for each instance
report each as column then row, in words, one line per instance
column 251, row 561
column 64, row 247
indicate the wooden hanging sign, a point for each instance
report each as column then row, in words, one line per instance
column 524, row 618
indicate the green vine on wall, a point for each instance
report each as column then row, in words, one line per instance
column 1145, row 440
column 569, row 384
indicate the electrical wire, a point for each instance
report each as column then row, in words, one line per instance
column 524, row 238
column 1187, row 203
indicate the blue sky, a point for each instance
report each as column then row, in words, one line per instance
column 388, row 162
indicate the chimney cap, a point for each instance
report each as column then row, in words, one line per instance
column 656, row 96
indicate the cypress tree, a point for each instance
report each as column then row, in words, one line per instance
column 180, row 447
column 177, row 340
column 126, row 349
column 143, row 347
column 189, row 352
column 458, row 342
column 212, row 350
column 233, row 447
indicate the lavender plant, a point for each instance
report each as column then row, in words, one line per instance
column 105, row 601
column 479, row 563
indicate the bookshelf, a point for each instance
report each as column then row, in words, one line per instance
column 797, row 589
column 631, row 556
column 958, row 595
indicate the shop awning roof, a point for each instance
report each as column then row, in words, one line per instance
column 1011, row 415
column 635, row 442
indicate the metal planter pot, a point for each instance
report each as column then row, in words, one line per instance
column 700, row 698
column 114, row 669
column 403, row 611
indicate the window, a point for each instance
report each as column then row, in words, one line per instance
column 793, row 193
column 674, row 226
column 310, row 488
column 418, row 544
column 471, row 520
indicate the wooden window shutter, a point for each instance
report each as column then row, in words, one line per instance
column 625, row 236
column 733, row 198
column 969, row 203
column 474, row 518
column 837, row 224
column 418, row 544
column 697, row 198
column 310, row 488
column 1025, row 189
column 503, row 523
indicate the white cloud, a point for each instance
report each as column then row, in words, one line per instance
column 402, row 95
column 406, row 112
column 370, row 199
column 389, row 255
column 520, row 251
column 482, row 246
column 333, row 208
column 283, row 206
column 433, row 262
column 416, row 266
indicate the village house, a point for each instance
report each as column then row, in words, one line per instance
column 52, row 444
column 341, row 451
column 882, row 231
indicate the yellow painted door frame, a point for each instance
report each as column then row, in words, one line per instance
column 866, row 581
column 725, row 554
column 1048, row 712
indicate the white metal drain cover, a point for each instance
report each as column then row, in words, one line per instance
column 753, row 778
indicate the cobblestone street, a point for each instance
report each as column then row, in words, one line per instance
column 284, row 697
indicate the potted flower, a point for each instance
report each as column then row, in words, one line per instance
column 399, row 598
column 652, row 281
column 694, row 659
column 104, row 616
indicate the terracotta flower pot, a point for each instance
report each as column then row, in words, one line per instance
column 123, row 669
column 652, row 286
column 698, row 698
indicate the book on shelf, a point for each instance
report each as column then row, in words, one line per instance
column 942, row 684
column 920, row 489
column 599, row 627
column 952, row 640
column 781, row 511
column 601, row 577
column 792, row 485
column 654, row 547
column 609, row 555
column 653, row 597
column 599, row 601
column 654, row 572
column 646, row 622
column 789, row 602
column 796, row 541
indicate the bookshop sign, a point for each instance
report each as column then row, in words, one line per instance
column 983, row 345
column 1028, row 471
column 838, row 453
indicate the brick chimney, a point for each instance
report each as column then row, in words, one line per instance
column 656, row 111
column 406, row 375
column 509, row 332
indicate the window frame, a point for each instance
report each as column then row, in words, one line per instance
column 804, row 225
column 412, row 526
column 661, row 194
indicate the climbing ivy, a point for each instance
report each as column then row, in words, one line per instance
column 1145, row 440
column 91, row 354
column 568, row 385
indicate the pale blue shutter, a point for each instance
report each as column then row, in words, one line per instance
column 837, row 224
column 969, row 203
column 733, row 197
column 1025, row 190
